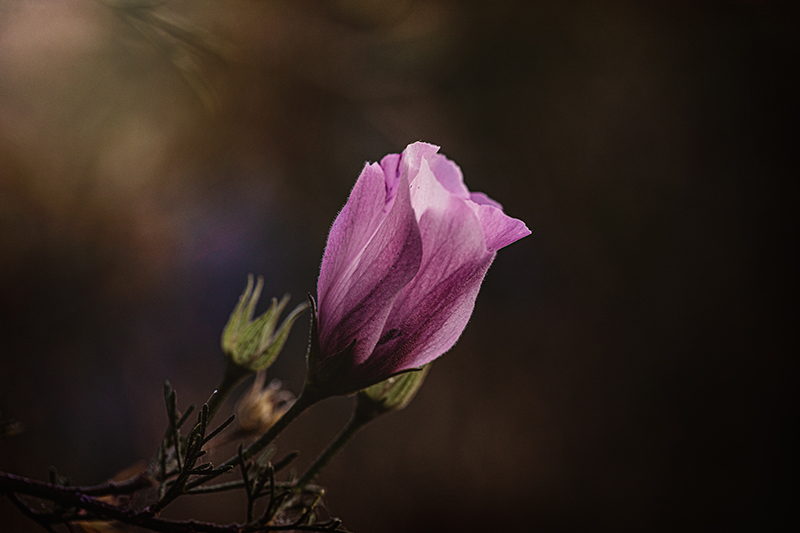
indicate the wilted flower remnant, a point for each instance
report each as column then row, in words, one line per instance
column 260, row 407
column 403, row 265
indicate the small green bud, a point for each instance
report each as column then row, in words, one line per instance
column 390, row 395
column 253, row 345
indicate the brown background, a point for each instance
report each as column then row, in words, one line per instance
column 628, row 366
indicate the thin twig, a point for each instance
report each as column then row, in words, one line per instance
column 248, row 489
column 99, row 510
column 185, row 416
column 219, row 429
column 171, row 398
column 283, row 463
column 129, row 486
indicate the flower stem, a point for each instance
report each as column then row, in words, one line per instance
column 307, row 398
column 358, row 420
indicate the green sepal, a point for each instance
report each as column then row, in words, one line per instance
column 251, row 344
column 255, row 334
column 242, row 314
column 272, row 346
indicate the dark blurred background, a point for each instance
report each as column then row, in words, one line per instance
column 628, row 366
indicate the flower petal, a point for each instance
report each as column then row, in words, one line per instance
column 449, row 175
column 499, row 229
column 413, row 156
column 427, row 193
column 357, row 303
column 482, row 199
column 450, row 307
column 351, row 231
column 430, row 313
column 390, row 165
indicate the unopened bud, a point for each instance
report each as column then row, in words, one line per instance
column 254, row 344
column 390, row 395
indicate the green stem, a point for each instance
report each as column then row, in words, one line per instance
column 307, row 398
column 358, row 420
column 232, row 376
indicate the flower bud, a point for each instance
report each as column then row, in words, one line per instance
column 253, row 345
column 390, row 395
column 402, row 268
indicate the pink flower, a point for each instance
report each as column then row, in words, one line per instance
column 403, row 265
